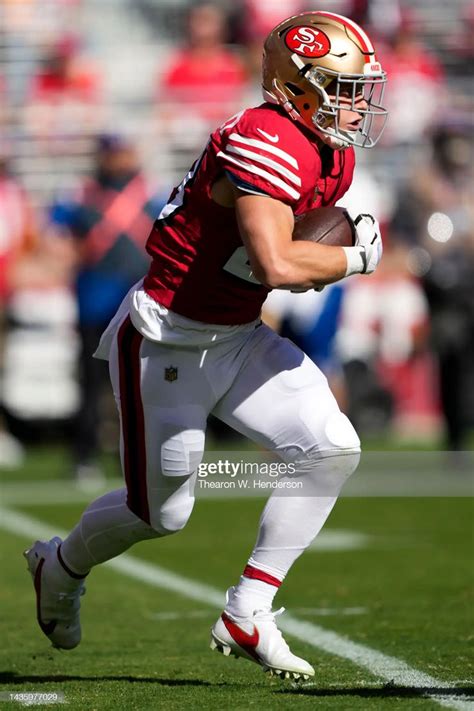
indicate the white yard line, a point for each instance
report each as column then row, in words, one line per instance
column 331, row 611
column 191, row 615
column 338, row 539
column 50, row 492
column 313, row 611
column 59, row 492
column 390, row 669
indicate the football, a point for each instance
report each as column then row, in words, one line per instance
column 327, row 225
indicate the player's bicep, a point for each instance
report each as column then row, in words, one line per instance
column 266, row 227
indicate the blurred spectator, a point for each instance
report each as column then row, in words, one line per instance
column 256, row 18
column 26, row 25
column 204, row 82
column 436, row 215
column 460, row 44
column 110, row 221
column 382, row 341
column 17, row 237
column 17, row 230
column 40, row 391
column 416, row 88
column 259, row 17
column 382, row 337
column 64, row 96
column 253, row 20
column 4, row 108
column 383, row 16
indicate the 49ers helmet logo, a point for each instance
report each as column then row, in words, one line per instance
column 307, row 41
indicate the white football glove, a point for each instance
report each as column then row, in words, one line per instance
column 367, row 253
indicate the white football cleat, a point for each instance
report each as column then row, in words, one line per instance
column 57, row 611
column 258, row 639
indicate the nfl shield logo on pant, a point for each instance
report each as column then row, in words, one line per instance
column 171, row 374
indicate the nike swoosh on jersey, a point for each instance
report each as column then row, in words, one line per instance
column 247, row 641
column 273, row 139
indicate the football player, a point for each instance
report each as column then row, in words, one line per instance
column 188, row 340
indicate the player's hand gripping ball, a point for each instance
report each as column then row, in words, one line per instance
column 331, row 226
column 367, row 235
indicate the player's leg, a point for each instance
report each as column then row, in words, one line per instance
column 162, row 423
column 163, row 399
column 282, row 401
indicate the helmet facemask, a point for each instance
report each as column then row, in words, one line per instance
column 342, row 92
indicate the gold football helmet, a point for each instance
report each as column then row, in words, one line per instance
column 313, row 63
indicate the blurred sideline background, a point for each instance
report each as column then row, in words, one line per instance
column 105, row 104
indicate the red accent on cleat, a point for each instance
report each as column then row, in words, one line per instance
column 246, row 641
column 46, row 627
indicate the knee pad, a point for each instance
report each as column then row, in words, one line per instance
column 321, row 435
column 174, row 513
column 331, row 454
column 171, row 497
column 181, row 450
column 344, row 446
column 323, row 475
column 340, row 435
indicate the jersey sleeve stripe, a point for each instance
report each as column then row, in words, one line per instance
column 243, row 185
column 273, row 179
column 266, row 161
column 255, row 143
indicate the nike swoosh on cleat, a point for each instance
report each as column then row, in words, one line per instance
column 273, row 139
column 247, row 641
column 46, row 627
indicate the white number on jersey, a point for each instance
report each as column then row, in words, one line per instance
column 239, row 265
column 177, row 200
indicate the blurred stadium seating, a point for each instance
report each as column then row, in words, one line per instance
column 132, row 42
column 118, row 52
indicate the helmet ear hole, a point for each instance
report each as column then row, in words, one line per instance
column 295, row 90
column 306, row 107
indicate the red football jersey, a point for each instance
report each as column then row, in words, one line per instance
column 200, row 268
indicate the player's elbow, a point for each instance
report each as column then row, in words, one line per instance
column 273, row 275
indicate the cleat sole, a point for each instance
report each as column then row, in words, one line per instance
column 298, row 677
column 218, row 645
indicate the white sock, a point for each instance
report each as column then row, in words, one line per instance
column 106, row 529
column 254, row 593
column 288, row 525
column 59, row 578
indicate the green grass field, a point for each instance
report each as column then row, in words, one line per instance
column 393, row 576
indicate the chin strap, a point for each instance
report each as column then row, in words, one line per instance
column 278, row 96
column 330, row 139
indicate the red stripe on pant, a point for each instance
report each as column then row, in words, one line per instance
column 257, row 574
column 133, row 426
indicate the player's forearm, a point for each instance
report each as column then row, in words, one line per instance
column 303, row 265
column 278, row 262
